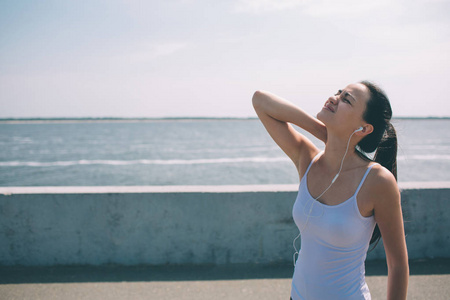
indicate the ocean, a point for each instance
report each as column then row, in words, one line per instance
column 184, row 152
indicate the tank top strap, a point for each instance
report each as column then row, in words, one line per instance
column 364, row 177
column 312, row 161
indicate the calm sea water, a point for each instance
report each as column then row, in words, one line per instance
column 184, row 152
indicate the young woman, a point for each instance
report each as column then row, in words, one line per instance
column 345, row 200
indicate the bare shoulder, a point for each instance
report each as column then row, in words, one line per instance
column 382, row 186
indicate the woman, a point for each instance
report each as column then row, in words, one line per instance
column 343, row 195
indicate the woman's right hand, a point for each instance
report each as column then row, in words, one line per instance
column 276, row 114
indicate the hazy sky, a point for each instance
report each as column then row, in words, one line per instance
column 172, row 58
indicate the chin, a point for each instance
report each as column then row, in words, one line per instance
column 320, row 116
column 324, row 117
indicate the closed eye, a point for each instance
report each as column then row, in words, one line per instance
column 339, row 92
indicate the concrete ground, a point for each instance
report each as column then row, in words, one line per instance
column 430, row 279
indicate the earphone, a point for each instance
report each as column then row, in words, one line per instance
column 314, row 200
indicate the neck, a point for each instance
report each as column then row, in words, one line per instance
column 335, row 149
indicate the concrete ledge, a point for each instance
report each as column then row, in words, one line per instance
column 183, row 224
column 424, row 185
column 188, row 188
column 148, row 189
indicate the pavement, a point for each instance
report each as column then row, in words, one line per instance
column 429, row 279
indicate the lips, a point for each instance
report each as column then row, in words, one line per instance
column 328, row 107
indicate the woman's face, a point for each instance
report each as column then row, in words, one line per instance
column 343, row 112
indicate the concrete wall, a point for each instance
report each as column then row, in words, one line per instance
column 183, row 225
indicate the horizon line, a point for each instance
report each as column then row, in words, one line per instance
column 99, row 119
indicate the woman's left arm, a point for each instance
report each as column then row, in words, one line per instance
column 388, row 215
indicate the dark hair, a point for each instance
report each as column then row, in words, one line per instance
column 383, row 139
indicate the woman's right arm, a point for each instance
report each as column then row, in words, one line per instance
column 276, row 113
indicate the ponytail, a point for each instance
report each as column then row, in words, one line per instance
column 386, row 154
column 383, row 139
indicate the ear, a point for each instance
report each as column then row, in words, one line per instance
column 367, row 129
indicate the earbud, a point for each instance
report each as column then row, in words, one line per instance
column 359, row 129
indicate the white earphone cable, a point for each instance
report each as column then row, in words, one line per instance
column 315, row 199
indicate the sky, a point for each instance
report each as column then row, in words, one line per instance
column 198, row 58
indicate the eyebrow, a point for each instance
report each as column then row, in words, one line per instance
column 347, row 93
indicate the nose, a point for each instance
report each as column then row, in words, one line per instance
column 333, row 100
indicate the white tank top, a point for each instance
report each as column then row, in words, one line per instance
column 334, row 244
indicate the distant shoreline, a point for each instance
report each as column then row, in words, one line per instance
column 112, row 120
column 130, row 120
